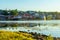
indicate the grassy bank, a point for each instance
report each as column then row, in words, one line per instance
column 8, row 35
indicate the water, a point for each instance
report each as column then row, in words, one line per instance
column 47, row 27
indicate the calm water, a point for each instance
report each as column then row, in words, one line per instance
column 47, row 27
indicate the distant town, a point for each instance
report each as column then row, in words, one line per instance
column 28, row 15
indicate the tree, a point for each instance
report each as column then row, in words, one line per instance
column 49, row 17
column 14, row 12
column 5, row 12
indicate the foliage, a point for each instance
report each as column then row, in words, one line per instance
column 49, row 17
column 14, row 12
column 49, row 37
column 5, row 12
column 6, row 25
column 14, row 25
column 6, row 35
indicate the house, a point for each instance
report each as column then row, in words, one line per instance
column 19, row 17
column 28, row 16
column 58, row 16
column 1, row 12
column 21, row 12
column 30, row 12
column 54, row 17
column 9, row 17
column 2, row 17
column 36, row 15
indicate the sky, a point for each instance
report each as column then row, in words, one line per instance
column 36, row 5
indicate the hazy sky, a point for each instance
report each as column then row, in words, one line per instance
column 43, row 5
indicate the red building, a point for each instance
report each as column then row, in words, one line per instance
column 27, row 16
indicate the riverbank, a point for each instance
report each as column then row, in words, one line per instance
column 22, row 35
column 46, row 30
column 9, row 35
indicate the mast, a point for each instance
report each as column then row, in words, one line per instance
column 44, row 17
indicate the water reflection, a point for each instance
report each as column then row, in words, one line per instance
column 44, row 27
